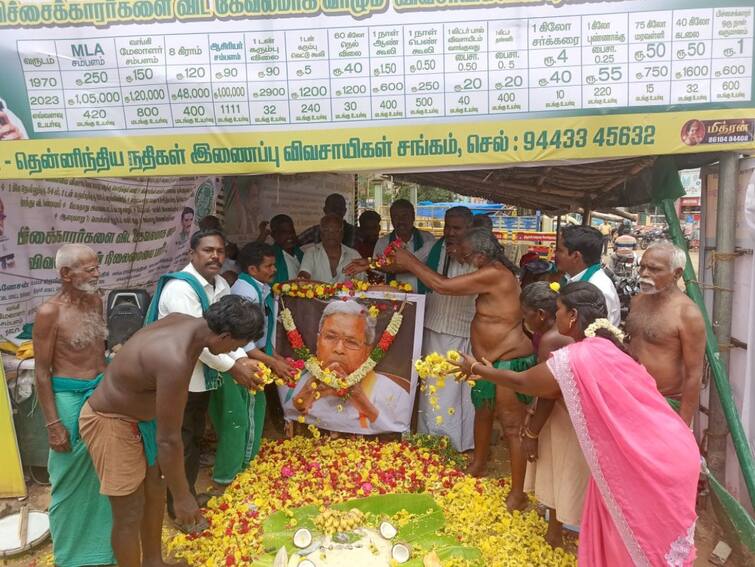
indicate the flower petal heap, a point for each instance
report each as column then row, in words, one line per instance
column 297, row 472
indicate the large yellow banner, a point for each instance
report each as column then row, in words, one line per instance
column 194, row 87
column 487, row 143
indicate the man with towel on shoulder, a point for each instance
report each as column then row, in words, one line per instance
column 69, row 347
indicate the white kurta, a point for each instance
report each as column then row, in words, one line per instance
column 447, row 326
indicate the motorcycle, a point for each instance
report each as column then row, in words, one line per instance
column 626, row 279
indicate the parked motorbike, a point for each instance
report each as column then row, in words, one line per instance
column 626, row 280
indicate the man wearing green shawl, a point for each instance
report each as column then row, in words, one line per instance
column 69, row 346
column 288, row 255
column 238, row 414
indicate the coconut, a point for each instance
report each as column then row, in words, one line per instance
column 281, row 558
column 302, row 538
column 387, row 530
column 306, row 563
column 293, row 561
column 400, row 553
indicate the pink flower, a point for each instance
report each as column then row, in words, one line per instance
column 367, row 488
column 287, row 471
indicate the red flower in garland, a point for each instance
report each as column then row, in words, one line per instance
column 296, row 340
column 385, row 341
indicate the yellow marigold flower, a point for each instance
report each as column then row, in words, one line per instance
column 373, row 311
column 451, row 411
column 310, row 294
column 439, row 420
column 300, row 419
column 453, row 356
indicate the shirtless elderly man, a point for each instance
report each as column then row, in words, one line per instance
column 132, row 422
column 667, row 330
column 496, row 335
column 69, row 346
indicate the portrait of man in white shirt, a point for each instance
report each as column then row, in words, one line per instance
column 379, row 403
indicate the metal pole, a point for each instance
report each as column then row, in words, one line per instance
column 723, row 279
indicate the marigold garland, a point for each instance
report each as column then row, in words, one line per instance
column 328, row 377
column 436, row 367
column 319, row 290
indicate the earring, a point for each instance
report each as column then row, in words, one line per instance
column 571, row 323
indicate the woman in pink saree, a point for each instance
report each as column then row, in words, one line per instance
column 643, row 459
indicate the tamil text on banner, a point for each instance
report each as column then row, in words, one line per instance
column 139, row 228
column 337, row 342
column 189, row 87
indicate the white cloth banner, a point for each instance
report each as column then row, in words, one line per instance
column 139, row 228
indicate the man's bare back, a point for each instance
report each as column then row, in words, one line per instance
column 130, row 384
column 655, row 326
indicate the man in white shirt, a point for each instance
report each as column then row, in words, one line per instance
column 326, row 261
column 418, row 242
column 180, row 293
column 578, row 255
column 448, row 319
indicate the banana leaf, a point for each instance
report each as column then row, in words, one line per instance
column 421, row 530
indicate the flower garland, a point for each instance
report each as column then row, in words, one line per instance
column 382, row 260
column 437, row 366
column 327, row 376
column 603, row 324
column 319, row 290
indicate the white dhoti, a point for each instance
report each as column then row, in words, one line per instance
column 560, row 475
column 457, row 425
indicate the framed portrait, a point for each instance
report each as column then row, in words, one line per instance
column 343, row 334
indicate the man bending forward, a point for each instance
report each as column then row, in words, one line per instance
column 148, row 380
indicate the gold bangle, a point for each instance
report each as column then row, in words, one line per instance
column 528, row 433
column 471, row 368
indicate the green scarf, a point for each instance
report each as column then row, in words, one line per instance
column 268, row 308
column 433, row 261
column 281, row 268
column 589, row 272
column 211, row 376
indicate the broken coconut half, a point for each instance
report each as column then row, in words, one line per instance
column 400, row 553
column 387, row 530
column 306, row 563
column 302, row 538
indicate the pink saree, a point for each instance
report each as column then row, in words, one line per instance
column 643, row 459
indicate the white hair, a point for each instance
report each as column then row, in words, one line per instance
column 350, row 307
column 677, row 256
column 71, row 255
